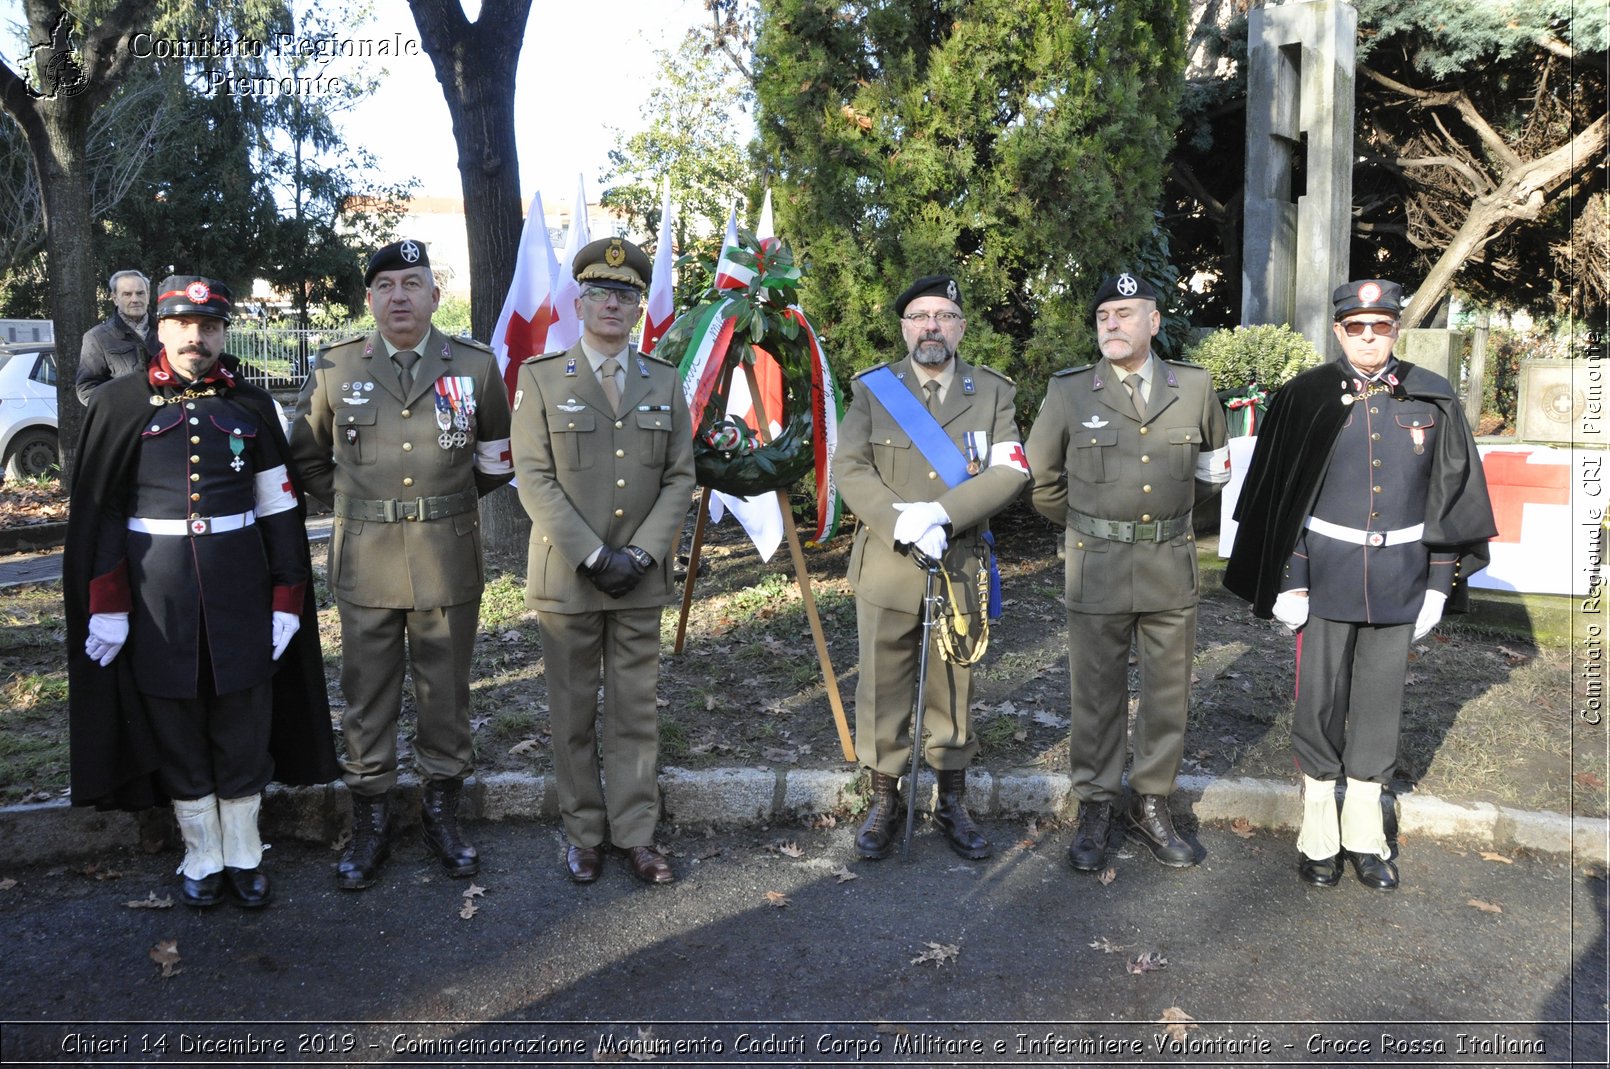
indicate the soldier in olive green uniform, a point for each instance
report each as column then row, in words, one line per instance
column 603, row 454
column 1118, row 451
column 403, row 431
column 891, row 485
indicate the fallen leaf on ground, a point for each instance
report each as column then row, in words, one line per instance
column 791, row 850
column 150, row 901
column 1488, row 855
column 1107, row 946
column 1589, row 780
column 166, row 955
column 468, row 910
column 1176, row 1022
column 96, row 872
column 1151, row 961
column 475, row 891
column 938, row 953
column 1485, row 907
column 341, row 841
column 7, row 884
column 1108, row 875
column 1242, row 827
column 844, row 875
column 524, row 746
column 777, row 899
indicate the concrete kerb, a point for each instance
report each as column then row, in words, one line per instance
column 54, row 830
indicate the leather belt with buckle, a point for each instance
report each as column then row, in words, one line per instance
column 194, row 526
column 1365, row 538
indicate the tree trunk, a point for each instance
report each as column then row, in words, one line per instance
column 75, row 71
column 475, row 64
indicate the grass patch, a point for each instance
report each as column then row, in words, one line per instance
column 503, row 603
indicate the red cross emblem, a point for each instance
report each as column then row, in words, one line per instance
column 1018, row 458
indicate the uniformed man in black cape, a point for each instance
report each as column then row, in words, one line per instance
column 1363, row 510
column 186, row 545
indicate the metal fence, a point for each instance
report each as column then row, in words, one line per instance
column 276, row 358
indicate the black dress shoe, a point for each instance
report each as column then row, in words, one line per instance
column 207, row 891
column 250, row 887
column 1321, row 872
column 1148, row 822
column 584, row 863
column 1088, row 851
column 1373, row 871
column 649, row 865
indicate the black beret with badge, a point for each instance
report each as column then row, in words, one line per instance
column 1124, row 287
column 398, row 256
column 613, row 263
column 193, row 295
column 929, row 286
column 1368, row 295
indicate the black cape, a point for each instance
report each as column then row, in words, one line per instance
column 113, row 754
column 1290, row 460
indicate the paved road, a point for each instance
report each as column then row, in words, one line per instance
column 1274, row 972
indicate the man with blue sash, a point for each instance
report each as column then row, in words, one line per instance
column 1122, row 450
column 928, row 451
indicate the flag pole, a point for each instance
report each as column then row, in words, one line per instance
column 802, row 575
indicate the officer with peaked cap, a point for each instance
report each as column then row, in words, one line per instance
column 908, row 420
column 1364, row 505
column 403, row 431
column 1122, row 450
column 603, row 454
column 186, row 546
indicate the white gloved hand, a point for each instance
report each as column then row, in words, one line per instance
column 1291, row 609
column 1430, row 613
column 286, row 625
column 108, row 631
column 932, row 543
column 915, row 519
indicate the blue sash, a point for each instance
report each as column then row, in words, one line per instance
column 935, row 446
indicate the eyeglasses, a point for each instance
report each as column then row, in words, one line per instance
column 1380, row 328
column 945, row 318
column 598, row 295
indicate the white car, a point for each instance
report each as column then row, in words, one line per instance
column 28, row 442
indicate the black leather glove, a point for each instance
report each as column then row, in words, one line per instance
column 616, row 571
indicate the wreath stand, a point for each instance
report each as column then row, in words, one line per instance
column 795, row 551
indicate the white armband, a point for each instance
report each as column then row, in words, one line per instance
column 493, row 457
column 272, row 489
column 1213, row 467
column 1011, row 454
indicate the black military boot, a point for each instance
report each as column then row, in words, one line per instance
column 951, row 813
column 371, row 842
column 883, row 821
column 438, row 818
column 1088, row 851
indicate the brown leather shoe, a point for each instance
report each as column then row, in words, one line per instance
column 584, row 863
column 650, row 865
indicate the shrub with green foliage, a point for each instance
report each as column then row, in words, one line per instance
column 1269, row 354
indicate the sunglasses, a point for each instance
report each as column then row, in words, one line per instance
column 1380, row 328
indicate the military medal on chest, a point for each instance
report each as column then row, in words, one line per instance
column 237, row 446
column 975, row 447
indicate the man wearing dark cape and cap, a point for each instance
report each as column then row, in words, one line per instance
column 186, row 544
column 1363, row 510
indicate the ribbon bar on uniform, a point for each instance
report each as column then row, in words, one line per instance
column 1365, row 538
column 195, row 525
column 1130, row 530
column 393, row 510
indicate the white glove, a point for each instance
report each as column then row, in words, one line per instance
column 286, row 625
column 107, row 633
column 1291, row 609
column 932, row 542
column 1430, row 613
column 915, row 519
